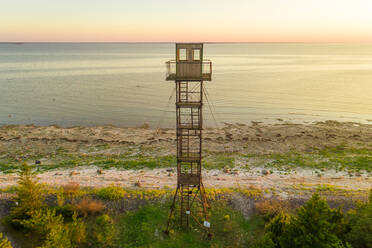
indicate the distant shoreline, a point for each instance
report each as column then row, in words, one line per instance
column 172, row 42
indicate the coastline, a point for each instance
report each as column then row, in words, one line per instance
column 236, row 155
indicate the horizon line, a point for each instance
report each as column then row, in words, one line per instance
column 172, row 42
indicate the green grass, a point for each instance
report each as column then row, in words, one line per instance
column 339, row 158
column 219, row 161
column 8, row 167
column 143, row 228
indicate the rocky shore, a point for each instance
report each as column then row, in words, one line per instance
column 42, row 145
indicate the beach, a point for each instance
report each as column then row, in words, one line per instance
column 259, row 155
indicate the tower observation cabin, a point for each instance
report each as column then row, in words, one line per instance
column 189, row 70
column 189, row 64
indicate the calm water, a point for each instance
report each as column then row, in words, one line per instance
column 123, row 84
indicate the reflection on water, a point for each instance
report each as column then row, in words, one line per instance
column 123, row 84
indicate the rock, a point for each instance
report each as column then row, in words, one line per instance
column 170, row 170
column 215, row 175
column 99, row 171
column 265, row 172
column 229, row 136
column 37, row 162
column 145, row 126
column 74, row 173
column 358, row 174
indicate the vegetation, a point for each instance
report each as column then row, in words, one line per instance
column 76, row 218
column 317, row 225
column 4, row 242
column 111, row 193
column 30, row 196
column 361, row 225
column 340, row 157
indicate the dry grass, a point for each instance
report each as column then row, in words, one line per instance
column 271, row 207
column 88, row 206
column 71, row 189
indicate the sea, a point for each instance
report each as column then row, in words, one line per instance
column 123, row 84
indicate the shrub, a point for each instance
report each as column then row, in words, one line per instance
column 265, row 242
column 77, row 231
column 360, row 235
column 52, row 230
column 50, row 227
column 277, row 226
column 72, row 189
column 67, row 211
column 316, row 225
column 88, row 206
column 102, row 233
column 4, row 242
column 111, row 192
column 30, row 196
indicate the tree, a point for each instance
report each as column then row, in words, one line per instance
column 30, row 196
column 316, row 225
column 360, row 235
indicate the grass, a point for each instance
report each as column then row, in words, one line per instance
column 143, row 228
column 339, row 158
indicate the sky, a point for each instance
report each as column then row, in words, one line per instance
column 186, row 21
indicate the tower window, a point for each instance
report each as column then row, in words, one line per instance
column 182, row 54
column 196, row 54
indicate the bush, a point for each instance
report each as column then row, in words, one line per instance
column 316, row 225
column 102, row 233
column 277, row 226
column 52, row 230
column 30, row 196
column 71, row 189
column 111, row 192
column 4, row 242
column 50, row 227
column 88, row 206
column 67, row 211
column 77, row 231
column 360, row 235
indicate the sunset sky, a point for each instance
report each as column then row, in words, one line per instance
column 188, row 20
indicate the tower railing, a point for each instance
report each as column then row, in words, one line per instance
column 171, row 72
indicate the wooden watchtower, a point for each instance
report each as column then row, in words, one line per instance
column 189, row 70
